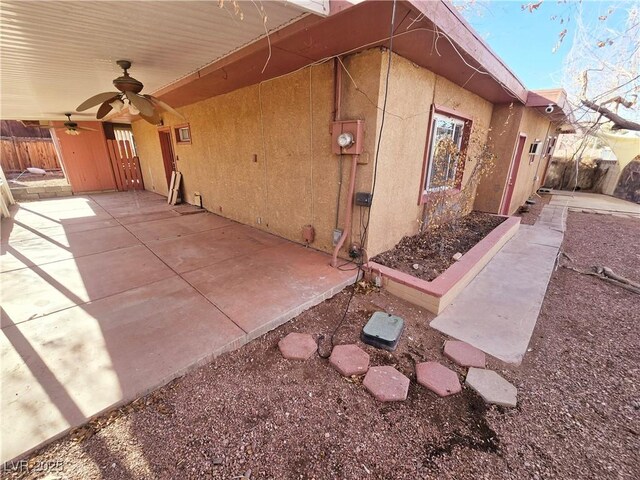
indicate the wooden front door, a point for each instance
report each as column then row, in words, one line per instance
column 513, row 175
column 167, row 153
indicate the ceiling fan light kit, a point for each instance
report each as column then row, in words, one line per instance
column 128, row 97
column 72, row 128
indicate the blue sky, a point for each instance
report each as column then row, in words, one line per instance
column 525, row 40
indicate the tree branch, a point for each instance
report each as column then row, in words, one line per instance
column 619, row 123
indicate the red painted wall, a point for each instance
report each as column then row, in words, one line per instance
column 86, row 158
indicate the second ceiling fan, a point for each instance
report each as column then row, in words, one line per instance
column 129, row 97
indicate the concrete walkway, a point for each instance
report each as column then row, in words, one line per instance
column 594, row 203
column 106, row 297
column 497, row 312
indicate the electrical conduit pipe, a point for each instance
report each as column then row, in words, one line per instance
column 349, row 213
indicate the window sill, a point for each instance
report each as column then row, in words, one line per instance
column 451, row 192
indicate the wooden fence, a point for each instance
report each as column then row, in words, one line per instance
column 126, row 166
column 18, row 153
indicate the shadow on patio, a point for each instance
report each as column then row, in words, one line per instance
column 109, row 296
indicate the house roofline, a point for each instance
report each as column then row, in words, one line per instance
column 313, row 38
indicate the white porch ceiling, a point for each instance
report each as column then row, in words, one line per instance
column 55, row 54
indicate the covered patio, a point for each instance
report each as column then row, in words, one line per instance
column 105, row 297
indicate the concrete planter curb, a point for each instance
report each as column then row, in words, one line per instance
column 437, row 294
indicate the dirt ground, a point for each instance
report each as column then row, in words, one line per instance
column 251, row 410
column 53, row 178
column 432, row 251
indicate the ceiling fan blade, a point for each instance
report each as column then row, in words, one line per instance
column 86, row 129
column 104, row 109
column 141, row 103
column 154, row 119
column 96, row 100
column 165, row 107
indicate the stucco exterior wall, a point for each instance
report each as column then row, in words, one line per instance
column 505, row 124
column 396, row 211
column 284, row 123
column 535, row 126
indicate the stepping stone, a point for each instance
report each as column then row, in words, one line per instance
column 297, row 346
column 492, row 387
column 438, row 378
column 349, row 360
column 464, row 354
column 386, row 384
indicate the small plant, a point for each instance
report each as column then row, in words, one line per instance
column 453, row 197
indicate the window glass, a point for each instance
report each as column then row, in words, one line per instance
column 444, row 152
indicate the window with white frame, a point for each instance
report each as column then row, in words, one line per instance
column 534, row 149
column 444, row 152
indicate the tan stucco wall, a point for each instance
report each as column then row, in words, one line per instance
column 535, row 126
column 505, row 124
column 285, row 122
column 412, row 90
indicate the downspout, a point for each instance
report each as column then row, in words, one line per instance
column 349, row 213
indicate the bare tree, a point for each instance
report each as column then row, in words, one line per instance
column 601, row 70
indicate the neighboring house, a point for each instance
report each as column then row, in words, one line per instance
column 257, row 148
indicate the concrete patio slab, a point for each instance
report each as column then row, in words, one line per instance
column 292, row 279
column 492, row 387
column 497, row 312
column 594, row 202
column 63, row 368
column 15, row 230
column 83, row 334
column 47, row 249
column 33, row 292
column 177, row 226
column 199, row 250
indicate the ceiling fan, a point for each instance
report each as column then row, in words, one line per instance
column 128, row 97
column 72, row 128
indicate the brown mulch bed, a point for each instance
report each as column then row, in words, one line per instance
column 433, row 250
column 578, row 413
column 530, row 216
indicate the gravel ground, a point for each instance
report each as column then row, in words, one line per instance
column 577, row 417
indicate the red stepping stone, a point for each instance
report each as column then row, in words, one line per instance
column 386, row 384
column 297, row 346
column 438, row 378
column 464, row 354
column 349, row 360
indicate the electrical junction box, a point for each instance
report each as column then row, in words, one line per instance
column 364, row 199
column 337, row 233
column 383, row 330
column 354, row 129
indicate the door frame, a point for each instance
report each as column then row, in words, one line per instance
column 512, row 176
column 168, row 158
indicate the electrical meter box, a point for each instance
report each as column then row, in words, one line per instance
column 354, row 129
